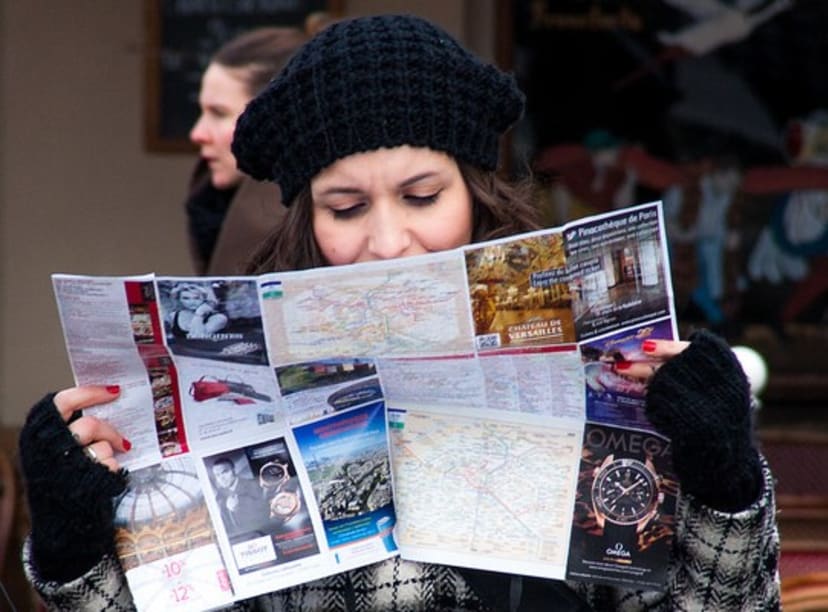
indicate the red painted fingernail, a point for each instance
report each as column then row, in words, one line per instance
column 113, row 389
column 623, row 365
column 127, row 444
column 648, row 346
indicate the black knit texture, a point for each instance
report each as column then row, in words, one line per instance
column 70, row 497
column 373, row 82
column 206, row 209
column 700, row 399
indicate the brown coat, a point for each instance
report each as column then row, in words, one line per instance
column 254, row 212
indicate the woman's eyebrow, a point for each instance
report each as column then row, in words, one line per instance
column 345, row 190
column 337, row 190
column 417, row 178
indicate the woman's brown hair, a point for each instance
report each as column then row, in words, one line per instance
column 500, row 208
column 260, row 54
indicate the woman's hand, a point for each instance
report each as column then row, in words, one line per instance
column 657, row 352
column 71, row 479
column 98, row 438
column 699, row 397
column 204, row 310
column 206, row 321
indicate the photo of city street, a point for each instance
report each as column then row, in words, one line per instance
column 353, row 487
column 346, row 458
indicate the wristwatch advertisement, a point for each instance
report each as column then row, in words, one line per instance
column 626, row 496
column 625, row 510
column 273, row 474
column 284, row 503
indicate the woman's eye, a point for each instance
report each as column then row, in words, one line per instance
column 348, row 213
column 217, row 112
column 422, row 200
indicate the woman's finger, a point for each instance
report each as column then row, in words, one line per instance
column 73, row 399
column 98, row 451
column 643, row 370
column 663, row 349
column 656, row 352
column 111, row 464
column 88, row 430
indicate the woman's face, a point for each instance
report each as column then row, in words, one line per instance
column 390, row 203
column 222, row 99
column 190, row 299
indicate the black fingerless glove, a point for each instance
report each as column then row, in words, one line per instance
column 70, row 497
column 701, row 400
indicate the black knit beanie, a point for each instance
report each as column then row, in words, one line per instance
column 373, row 82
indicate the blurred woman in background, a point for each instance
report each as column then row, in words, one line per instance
column 227, row 213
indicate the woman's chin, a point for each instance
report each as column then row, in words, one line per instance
column 222, row 181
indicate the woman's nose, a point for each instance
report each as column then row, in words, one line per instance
column 390, row 236
column 199, row 133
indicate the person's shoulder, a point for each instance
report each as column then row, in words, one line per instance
column 258, row 191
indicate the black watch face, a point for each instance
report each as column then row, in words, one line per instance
column 625, row 491
column 272, row 474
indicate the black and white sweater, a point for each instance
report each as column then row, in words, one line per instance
column 720, row 562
